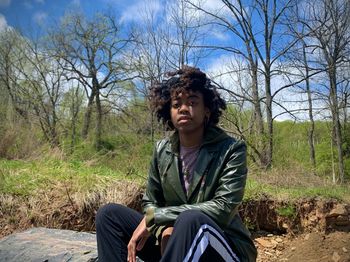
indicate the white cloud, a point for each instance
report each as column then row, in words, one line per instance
column 290, row 98
column 216, row 7
column 40, row 1
column 76, row 3
column 222, row 36
column 40, row 18
column 139, row 11
column 5, row 2
column 213, row 5
column 219, row 67
column 3, row 23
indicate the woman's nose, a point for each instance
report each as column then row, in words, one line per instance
column 183, row 108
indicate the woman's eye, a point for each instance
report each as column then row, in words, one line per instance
column 176, row 105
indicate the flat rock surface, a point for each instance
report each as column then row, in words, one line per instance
column 49, row 245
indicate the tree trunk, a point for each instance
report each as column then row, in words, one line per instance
column 269, row 118
column 98, row 121
column 261, row 143
column 311, row 129
column 53, row 130
column 336, row 121
column 87, row 116
column 75, row 112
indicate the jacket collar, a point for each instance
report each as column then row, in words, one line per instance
column 212, row 136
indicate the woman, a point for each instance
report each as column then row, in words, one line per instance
column 195, row 185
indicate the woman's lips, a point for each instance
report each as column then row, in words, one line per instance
column 183, row 119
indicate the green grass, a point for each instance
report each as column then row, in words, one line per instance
column 255, row 189
column 27, row 178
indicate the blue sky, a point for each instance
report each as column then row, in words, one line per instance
column 31, row 14
column 33, row 17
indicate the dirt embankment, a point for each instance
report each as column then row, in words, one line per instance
column 305, row 230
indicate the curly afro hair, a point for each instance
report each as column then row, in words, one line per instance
column 185, row 79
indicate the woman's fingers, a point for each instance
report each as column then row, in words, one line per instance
column 131, row 251
column 165, row 238
column 142, row 242
column 137, row 240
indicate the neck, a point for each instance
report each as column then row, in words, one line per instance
column 191, row 139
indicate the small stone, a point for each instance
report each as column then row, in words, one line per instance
column 344, row 250
column 307, row 236
column 285, row 226
column 268, row 253
column 264, row 243
column 335, row 257
column 274, row 242
column 293, row 248
column 338, row 210
column 279, row 240
column 270, row 235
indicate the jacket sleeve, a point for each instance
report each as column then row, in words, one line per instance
column 228, row 195
column 153, row 197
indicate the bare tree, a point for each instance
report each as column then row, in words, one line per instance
column 12, row 44
column 34, row 82
column 165, row 41
column 43, row 79
column 184, row 34
column 91, row 50
column 300, row 56
column 256, row 24
column 328, row 23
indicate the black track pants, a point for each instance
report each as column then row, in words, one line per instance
column 115, row 225
column 196, row 237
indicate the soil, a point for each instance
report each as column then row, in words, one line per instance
column 311, row 247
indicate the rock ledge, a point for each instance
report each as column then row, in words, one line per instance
column 49, row 245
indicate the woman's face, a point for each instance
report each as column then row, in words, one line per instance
column 188, row 111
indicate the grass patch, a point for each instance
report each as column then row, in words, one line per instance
column 27, row 178
column 256, row 188
column 30, row 177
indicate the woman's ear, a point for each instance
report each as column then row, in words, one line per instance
column 207, row 113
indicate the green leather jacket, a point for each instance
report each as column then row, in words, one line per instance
column 216, row 188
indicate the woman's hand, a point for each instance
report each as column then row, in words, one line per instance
column 165, row 237
column 138, row 240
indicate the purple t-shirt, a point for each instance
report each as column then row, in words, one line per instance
column 188, row 157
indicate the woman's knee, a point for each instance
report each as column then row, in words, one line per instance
column 105, row 212
column 192, row 216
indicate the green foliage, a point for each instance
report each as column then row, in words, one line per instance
column 291, row 147
column 286, row 211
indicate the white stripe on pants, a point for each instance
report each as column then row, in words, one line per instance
column 207, row 235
